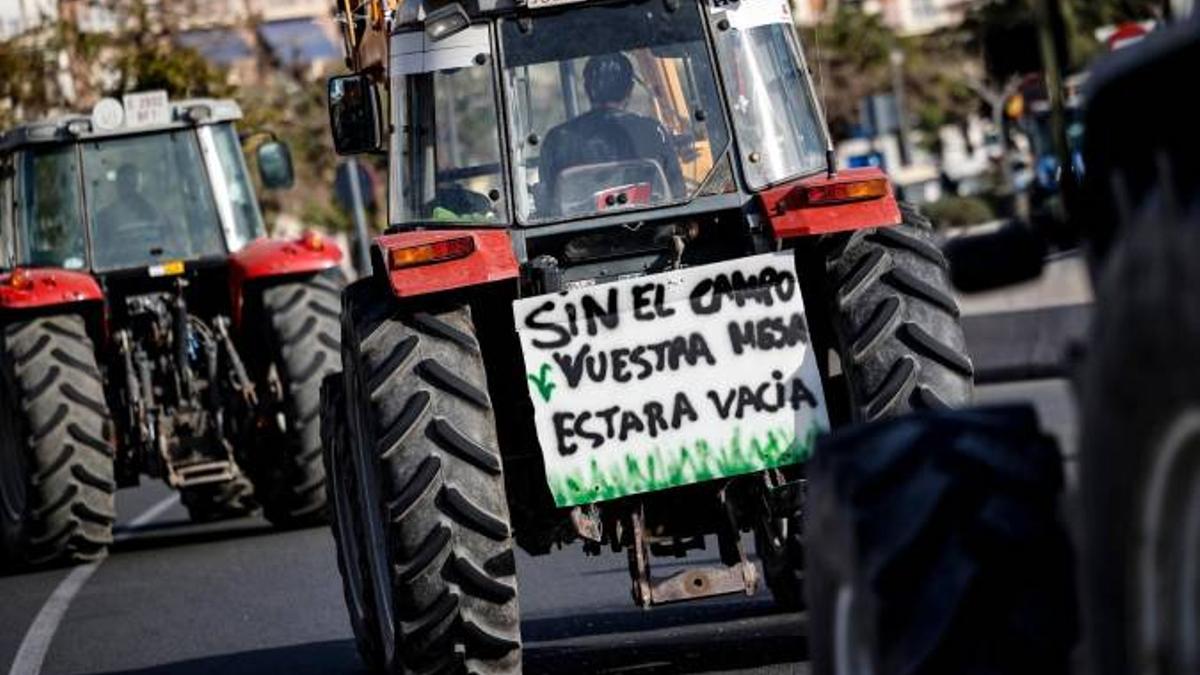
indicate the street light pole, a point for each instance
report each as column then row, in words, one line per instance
column 358, row 212
column 897, row 61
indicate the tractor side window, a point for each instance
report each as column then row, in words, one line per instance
column 247, row 220
column 626, row 117
column 51, row 221
column 467, row 173
column 451, row 137
column 779, row 133
column 149, row 201
column 8, row 238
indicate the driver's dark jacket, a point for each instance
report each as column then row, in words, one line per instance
column 126, row 209
column 605, row 135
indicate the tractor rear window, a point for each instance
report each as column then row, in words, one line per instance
column 149, row 201
column 612, row 107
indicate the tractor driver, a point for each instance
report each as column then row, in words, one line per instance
column 128, row 208
column 129, row 225
column 607, row 132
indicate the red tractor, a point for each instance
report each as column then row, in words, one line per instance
column 147, row 326
column 623, row 291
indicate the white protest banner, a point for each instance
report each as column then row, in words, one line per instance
column 669, row 379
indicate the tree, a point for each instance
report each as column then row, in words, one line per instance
column 26, row 81
column 181, row 72
column 852, row 53
column 850, row 56
column 1005, row 32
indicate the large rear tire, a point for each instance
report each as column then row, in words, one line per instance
column 301, row 322
column 894, row 324
column 56, row 453
column 1140, row 453
column 938, row 548
column 435, row 512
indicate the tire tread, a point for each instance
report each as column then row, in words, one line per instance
column 423, row 406
column 52, row 387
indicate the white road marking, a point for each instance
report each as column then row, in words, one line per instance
column 32, row 653
column 148, row 515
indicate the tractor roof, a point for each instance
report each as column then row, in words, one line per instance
column 414, row 12
column 79, row 127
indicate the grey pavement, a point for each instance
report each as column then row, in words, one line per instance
column 1029, row 331
column 240, row 597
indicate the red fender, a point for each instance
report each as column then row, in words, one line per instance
column 266, row 258
column 851, row 200
column 26, row 288
column 429, row 261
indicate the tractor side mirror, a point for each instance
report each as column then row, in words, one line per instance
column 354, row 115
column 275, row 165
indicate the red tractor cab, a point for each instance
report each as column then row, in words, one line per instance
column 149, row 327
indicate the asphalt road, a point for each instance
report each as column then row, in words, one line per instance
column 240, row 597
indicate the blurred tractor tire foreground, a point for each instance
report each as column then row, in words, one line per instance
column 936, row 546
column 56, row 488
column 1140, row 452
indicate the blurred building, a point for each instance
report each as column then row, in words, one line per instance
column 20, row 16
column 912, row 17
column 240, row 35
column 808, row 12
column 906, row 17
column 299, row 35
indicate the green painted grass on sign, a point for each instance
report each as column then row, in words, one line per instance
column 686, row 465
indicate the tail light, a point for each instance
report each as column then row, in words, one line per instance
column 20, row 279
column 433, row 252
column 312, row 241
column 841, row 193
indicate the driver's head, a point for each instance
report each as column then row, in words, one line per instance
column 129, row 179
column 608, row 80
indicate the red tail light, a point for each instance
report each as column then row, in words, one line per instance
column 840, row 193
column 424, row 254
column 20, row 279
column 312, row 241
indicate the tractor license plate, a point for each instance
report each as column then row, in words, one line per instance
column 670, row 379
